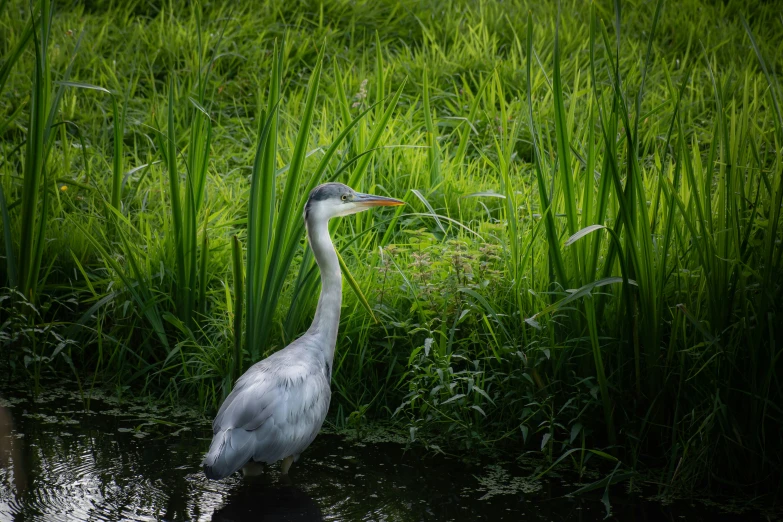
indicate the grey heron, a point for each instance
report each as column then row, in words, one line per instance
column 278, row 405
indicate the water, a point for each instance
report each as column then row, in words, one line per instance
column 133, row 460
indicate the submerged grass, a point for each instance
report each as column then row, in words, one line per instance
column 588, row 266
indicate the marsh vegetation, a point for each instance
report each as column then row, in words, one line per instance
column 588, row 267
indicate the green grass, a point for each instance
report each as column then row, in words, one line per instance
column 590, row 257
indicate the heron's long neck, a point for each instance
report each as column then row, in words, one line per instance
column 327, row 314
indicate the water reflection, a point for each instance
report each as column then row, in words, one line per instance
column 137, row 461
column 10, row 455
column 253, row 501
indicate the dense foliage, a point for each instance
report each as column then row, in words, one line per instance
column 590, row 257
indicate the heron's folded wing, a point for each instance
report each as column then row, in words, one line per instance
column 291, row 392
column 249, row 403
column 295, row 418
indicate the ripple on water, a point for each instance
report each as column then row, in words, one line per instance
column 89, row 464
column 70, row 488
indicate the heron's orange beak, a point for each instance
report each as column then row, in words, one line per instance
column 368, row 200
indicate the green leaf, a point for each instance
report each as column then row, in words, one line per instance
column 355, row 287
column 582, row 233
column 574, row 295
column 81, row 85
column 10, row 258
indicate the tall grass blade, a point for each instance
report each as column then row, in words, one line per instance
column 563, row 143
column 555, row 257
column 355, row 287
column 203, row 269
column 432, row 138
column 770, row 263
column 10, row 258
column 34, row 209
column 237, row 366
column 168, row 148
column 260, row 216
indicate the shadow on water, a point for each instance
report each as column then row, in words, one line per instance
column 64, row 457
column 268, row 504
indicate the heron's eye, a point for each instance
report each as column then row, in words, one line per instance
column 344, row 197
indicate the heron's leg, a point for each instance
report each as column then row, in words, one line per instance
column 287, row 464
column 252, row 469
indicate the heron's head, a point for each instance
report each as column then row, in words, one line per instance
column 336, row 200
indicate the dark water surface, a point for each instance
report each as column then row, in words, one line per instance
column 70, row 459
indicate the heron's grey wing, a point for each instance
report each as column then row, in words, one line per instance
column 250, row 400
column 275, row 410
column 296, row 418
column 232, row 446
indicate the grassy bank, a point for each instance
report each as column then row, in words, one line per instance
column 590, row 257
